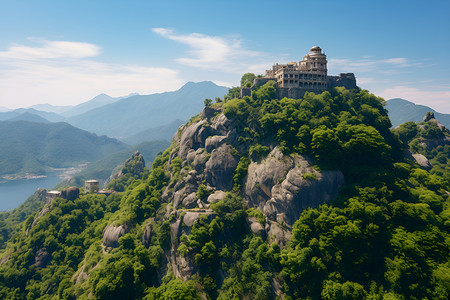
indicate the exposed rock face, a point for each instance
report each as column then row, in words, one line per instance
column 111, row 235
column 146, row 237
column 42, row 258
column 210, row 150
column 422, row 161
column 209, row 112
column 70, row 193
column 220, row 168
column 279, row 188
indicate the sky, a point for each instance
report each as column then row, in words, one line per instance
column 67, row 52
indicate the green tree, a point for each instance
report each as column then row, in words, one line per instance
column 247, row 77
column 207, row 102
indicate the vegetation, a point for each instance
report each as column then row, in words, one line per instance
column 386, row 236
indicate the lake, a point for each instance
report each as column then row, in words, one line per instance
column 15, row 192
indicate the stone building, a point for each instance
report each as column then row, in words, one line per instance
column 310, row 74
column 91, row 186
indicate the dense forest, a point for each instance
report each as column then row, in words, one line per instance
column 385, row 236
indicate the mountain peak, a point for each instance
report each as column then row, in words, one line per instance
column 191, row 84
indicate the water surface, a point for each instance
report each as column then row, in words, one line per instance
column 15, row 192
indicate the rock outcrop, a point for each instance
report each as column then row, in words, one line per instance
column 111, row 235
column 70, row 193
column 282, row 186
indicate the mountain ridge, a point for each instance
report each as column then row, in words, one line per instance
column 401, row 111
column 141, row 112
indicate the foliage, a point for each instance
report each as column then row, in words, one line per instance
column 247, row 77
column 202, row 192
column 207, row 102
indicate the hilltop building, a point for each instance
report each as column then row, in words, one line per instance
column 91, row 186
column 310, row 74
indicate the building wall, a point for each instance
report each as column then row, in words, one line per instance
column 310, row 74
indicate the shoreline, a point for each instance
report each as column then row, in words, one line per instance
column 62, row 173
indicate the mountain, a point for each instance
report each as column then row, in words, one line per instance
column 401, row 111
column 255, row 198
column 50, row 116
column 84, row 107
column 30, row 147
column 51, row 108
column 131, row 115
column 27, row 116
column 164, row 132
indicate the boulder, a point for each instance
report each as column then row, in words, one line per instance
column 263, row 176
column 194, row 137
column 214, row 142
column 220, row 168
column 209, row 112
column 216, row 196
column 199, row 160
column 190, row 201
column 256, row 227
column 111, row 235
column 422, row 161
column 190, row 218
column 278, row 188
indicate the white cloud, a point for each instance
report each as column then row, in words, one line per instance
column 368, row 64
column 438, row 100
column 217, row 53
column 51, row 49
column 64, row 72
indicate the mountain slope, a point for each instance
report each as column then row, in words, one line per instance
column 137, row 113
column 84, row 107
column 164, row 132
column 256, row 198
column 401, row 111
column 29, row 147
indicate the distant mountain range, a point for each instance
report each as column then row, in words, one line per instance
column 50, row 116
column 401, row 111
column 51, row 108
column 134, row 118
column 131, row 115
column 31, row 147
column 84, row 107
column 164, row 132
column 27, row 116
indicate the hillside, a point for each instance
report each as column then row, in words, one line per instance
column 141, row 112
column 256, row 198
column 30, row 147
column 401, row 111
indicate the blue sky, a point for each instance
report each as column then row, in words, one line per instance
column 67, row 52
